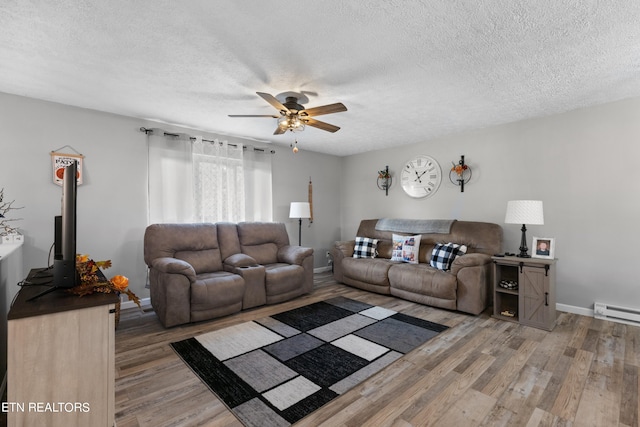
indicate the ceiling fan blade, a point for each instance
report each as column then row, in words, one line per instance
column 325, row 109
column 280, row 130
column 254, row 115
column 273, row 101
column 320, row 125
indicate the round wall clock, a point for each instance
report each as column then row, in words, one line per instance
column 421, row 177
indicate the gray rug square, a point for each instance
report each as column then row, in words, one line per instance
column 396, row 335
column 292, row 347
column 260, row 370
column 339, row 328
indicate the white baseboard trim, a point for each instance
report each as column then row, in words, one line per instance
column 575, row 310
column 322, row 269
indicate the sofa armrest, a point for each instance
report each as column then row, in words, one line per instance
column 341, row 249
column 293, row 254
column 474, row 274
column 469, row 260
column 239, row 260
column 174, row 266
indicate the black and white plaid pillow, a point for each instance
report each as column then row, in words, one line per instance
column 365, row 248
column 443, row 255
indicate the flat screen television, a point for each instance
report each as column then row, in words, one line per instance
column 64, row 262
column 65, row 275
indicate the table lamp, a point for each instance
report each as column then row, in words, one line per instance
column 524, row 212
column 300, row 210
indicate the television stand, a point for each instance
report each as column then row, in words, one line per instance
column 43, row 293
column 61, row 349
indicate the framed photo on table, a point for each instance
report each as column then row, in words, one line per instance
column 544, row 247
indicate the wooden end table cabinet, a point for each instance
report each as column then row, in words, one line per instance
column 61, row 354
column 533, row 302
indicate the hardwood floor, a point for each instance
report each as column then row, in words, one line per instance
column 481, row 372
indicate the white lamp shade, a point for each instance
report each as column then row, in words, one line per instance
column 300, row 210
column 524, row 212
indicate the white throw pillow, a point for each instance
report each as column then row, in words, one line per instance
column 405, row 248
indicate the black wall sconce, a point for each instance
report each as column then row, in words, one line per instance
column 460, row 174
column 384, row 180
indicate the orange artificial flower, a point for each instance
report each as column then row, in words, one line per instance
column 120, row 282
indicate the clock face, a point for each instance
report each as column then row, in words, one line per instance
column 421, row 177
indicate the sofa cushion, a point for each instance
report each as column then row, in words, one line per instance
column 424, row 280
column 444, row 254
column 406, row 248
column 365, row 248
column 281, row 278
column 368, row 270
column 196, row 244
column 261, row 240
column 219, row 289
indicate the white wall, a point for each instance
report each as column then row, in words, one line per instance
column 582, row 165
column 112, row 202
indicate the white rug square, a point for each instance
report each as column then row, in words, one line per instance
column 239, row 339
column 360, row 347
column 291, row 392
column 378, row 313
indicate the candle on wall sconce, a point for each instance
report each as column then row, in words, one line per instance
column 384, row 180
column 460, row 173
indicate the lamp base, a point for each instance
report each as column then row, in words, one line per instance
column 523, row 244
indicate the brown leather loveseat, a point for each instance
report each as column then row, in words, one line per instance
column 202, row 271
column 464, row 286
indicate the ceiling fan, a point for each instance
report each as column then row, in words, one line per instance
column 293, row 116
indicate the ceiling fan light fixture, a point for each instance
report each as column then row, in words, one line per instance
column 292, row 123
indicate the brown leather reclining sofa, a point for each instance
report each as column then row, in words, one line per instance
column 466, row 286
column 202, row 271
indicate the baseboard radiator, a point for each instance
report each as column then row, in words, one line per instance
column 630, row 316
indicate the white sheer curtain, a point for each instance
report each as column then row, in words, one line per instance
column 170, row 178
column 191, row 180
column 258, row 190
column 218, row 181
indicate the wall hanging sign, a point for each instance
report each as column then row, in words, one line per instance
column 60, row 161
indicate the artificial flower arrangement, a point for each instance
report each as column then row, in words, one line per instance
column 459, row 168
column 384, row 174
column 91, row 281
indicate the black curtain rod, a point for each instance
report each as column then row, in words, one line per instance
column 145, row 130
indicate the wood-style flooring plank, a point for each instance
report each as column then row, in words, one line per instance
column 480, row 372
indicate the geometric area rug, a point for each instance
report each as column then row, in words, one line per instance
column 276, row 370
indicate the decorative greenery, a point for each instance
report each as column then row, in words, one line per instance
column 92, row 281
column 459, row 168
column 5, row 207
column 384, row 174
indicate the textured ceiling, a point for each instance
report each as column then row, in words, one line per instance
column 408, row 71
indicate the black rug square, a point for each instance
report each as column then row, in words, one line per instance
column 312, row 316
column 326, row 365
